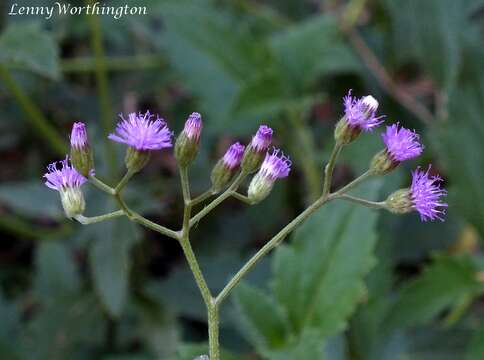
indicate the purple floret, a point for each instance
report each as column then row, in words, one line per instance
column 142, row 133
column 193, row 126
column 63, row 178
column 361, row 113
column 233, row 156
column 79, row 135
column 425, row 193
column 402, row 144
column 275, row 166
column 262, row 139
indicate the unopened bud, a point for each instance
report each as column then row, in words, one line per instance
column 382, row 163
column 186, row 147
column 81, row 154
column 226, row 167
column 256, row 151
column 400, row 202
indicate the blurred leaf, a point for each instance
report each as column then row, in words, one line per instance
column 109, row 257
column 431, row 32
column 476, row 348
column 442, row 284
column 310, row 49
column 263, row 319
column 328, row 259
column 9, row 318
column 31, row 198
column 193, row 351
column 29, row 46
column 310, row 346
column 56, row 273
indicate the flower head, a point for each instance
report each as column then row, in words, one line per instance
column 79, row 136
column 360, row 113
column 233, row 156
column 275, row 166
column 63, row 178
column 262, row 139
column 425, row 193
column 142, row 133
column 193, row 126
column 67, row 181
column 402, row 144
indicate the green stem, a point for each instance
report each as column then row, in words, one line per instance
column 353, row 184
column 102, row 85
column 276, row 240
column 364, row 202
column 84, row 220
column 33, row 113
column 202, row 197
column 122, row 183
column 242, row 198
column 226, row 194
column 213, row 332
column 101, row 186
column 328, row 171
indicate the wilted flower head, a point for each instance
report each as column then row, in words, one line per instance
column 67, row 181
column 262, row 139
column 402, row 144
column 193, row 126
column 425, row 193
column 63, row 178
column 233, row 156
column 361, row 113
column 142, row 133
column 79, row 135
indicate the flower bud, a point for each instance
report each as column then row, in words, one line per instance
column 400, row 202
column 382, row 163
column 344, row 133
column 186, row 147
column 136, row 160
column 256, row 151
column 274, row 167
column 226, row 167
column 67, row 181
column 81, row 155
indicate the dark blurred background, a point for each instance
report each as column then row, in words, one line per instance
column 383, row 287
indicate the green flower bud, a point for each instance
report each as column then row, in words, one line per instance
column 260, row 187
column 81, row 155
column 186, row 147
column 382, row 163
column 400, row 202
column 136, row 160
column 72, row 201
column 257, row 149
column 344, row 133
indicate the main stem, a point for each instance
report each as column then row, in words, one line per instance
column 212, row 307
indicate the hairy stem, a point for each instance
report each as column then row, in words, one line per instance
column 328, row 171
column 85, row 220
column 226, row 194
column 242, row 198
column 364, row 202
column 354, row 183
column 122, row 183
column 201, row 198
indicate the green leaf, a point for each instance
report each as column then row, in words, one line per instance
column 319, row 277
column 310, row 346
column 109, row 257
column 431, row 32
column 31, row 198
column 30, row 47
column 476, row 348
column 442, row 284
column 310, row 49
column 56, row 273
column 264, row 321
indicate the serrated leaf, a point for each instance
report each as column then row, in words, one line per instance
column 442, row 284
column 264, row 321
column 318, row 279
column 30, row 47
column 109, row 257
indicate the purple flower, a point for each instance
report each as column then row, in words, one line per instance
column 64, row 178
column 233, row 156
column 142, row 133
column 425, row 193
column 79, row 135
column 360, row 113
column 262, row 139
column 402, row 144
column 275, row 166
column 193, row 126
